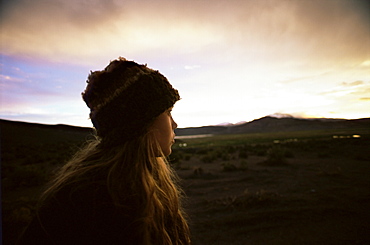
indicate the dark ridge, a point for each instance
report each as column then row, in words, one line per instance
column 6, row 123
column 270, row 124
column 266, row 124
column 15, row 133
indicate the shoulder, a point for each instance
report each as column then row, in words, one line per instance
column 80, row 213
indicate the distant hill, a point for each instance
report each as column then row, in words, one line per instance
column 18, row 124
column 270, row 124
column 13, row 130
column 30, row 133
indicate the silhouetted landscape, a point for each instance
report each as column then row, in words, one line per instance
column 271, row 124
column 269, row 181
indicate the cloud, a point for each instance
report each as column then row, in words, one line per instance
column 357, row 88
column 47, row 13
column 258, row 31
column 356, row 83
column 80, row 31
column 363, row 91
column 236, row 58
column 366, row 63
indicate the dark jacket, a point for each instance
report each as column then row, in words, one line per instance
column 81, row 215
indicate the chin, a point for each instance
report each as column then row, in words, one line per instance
column 167, row 152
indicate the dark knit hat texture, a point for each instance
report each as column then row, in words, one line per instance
column 125, row 98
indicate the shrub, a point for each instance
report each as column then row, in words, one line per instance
column 16, row 216
column 231, row 149
column 289, row 153
column 187, row 157
column 259, row 149
column 248, row 199
column 209, row 158
column 243, row 154
column 323, row 155
column 203, row 151
column 333, row 172
column 276, row 156
column 225, row 156
column 243, row 165
column 198, row 171
column 28, row 176
column 229, row 167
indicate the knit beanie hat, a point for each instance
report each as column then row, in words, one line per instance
column 125, row 98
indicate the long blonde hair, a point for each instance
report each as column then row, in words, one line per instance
column 133, row 170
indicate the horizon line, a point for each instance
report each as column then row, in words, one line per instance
column 215, row 125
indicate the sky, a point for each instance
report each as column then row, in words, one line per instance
column 231, row 60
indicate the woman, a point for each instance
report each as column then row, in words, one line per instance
column 119, row 189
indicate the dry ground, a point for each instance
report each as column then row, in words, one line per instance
column 314, row 198
column 309, row 200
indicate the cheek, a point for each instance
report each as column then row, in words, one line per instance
column 165, row 141
column 163, row 133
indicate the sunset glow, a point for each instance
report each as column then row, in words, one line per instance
column 231, row 61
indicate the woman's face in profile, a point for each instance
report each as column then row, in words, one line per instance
column 163, row 130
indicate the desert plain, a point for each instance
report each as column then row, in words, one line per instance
column 310, row 187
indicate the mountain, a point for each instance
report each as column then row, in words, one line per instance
column 271, row 124
column 28, row 133
column 11, row 130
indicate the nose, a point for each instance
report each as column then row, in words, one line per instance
column 174, row 124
